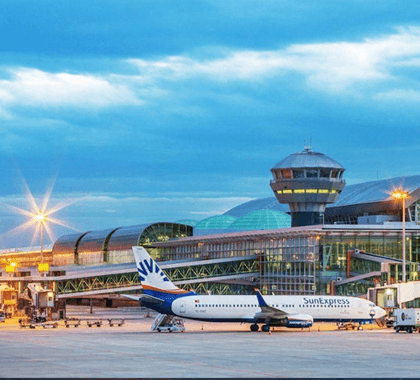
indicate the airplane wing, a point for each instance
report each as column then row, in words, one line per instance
column 143, row 297
column 268, row 312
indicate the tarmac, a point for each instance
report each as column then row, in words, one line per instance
column 205, row 350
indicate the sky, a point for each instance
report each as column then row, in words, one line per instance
column 147, row 111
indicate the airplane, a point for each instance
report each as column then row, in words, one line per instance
column 163, row 296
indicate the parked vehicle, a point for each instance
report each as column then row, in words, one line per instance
column 176, row 325
column 2, row 316
column 407, row 320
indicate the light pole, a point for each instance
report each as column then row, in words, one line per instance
column 403, row 195
column 41, row 219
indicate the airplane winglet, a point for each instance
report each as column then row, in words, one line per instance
column 261, row 301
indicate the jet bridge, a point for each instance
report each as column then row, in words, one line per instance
column 395, row 295
column 365, row 269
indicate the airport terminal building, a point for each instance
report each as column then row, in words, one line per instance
column 314, row 236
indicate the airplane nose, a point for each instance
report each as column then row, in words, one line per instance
column 380, row 312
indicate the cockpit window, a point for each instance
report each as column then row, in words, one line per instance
column 371, row 305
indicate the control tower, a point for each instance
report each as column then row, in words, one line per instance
column 307, row 181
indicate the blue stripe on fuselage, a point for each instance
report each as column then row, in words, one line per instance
column 168, row 299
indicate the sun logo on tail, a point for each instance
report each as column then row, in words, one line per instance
column 147, row 267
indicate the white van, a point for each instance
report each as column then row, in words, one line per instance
column 407, row 320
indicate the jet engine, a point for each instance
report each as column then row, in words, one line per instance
column 298, row 321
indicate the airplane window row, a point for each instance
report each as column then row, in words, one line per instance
column 226, row 305
column 324, row 305
column 288, row 306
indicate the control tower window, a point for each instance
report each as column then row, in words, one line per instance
column 324, row 173
column 340, row 175
column 311, row 173
column 286, row 174
column 298, row 174
column 334, row 173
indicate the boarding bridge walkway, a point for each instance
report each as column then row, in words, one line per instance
column 359, row 278
column 374, row 266
column 116, row 278
column 391, row 296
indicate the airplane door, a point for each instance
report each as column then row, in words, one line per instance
column 182, row 307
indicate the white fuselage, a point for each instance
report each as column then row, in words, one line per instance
column 245, row 308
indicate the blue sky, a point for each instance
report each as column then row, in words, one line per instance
column 163, row 110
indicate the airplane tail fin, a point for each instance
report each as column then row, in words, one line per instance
column 153, row 279
column 261, row 300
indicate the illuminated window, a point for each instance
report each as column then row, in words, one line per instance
column 287, row 191
column 323, row 191
column 279, row 192
column 299, row 191
column 333, row 191
column 312, row 191
column 286, row 174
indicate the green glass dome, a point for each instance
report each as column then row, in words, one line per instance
column 262, row 220
column 218, row 222
column 188, row 222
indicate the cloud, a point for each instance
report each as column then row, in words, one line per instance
column 176, row 82
column 328, row 66
column 33, row 87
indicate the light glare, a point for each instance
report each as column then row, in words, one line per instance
column 40, row 217
column 400, row 194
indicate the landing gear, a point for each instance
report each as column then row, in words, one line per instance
column 265, row 328
column 254, row 327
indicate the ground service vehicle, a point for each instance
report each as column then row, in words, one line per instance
column 176, row 325
column 407, row 320
column 2, row 316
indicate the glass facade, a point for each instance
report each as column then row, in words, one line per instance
column 217, row 222
column 64, row 251
column 262, row 220
column 387, row 244
column 334, row 247
column 305, row 261
column 120, row 244
column 286, row 263
column 113, row 246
